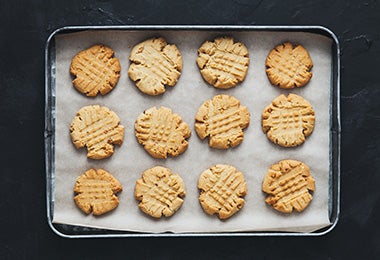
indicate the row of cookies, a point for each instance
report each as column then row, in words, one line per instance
column 287, row 121
column 155, row 64
column 288, row 185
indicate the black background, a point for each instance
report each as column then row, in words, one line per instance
column 25, row 27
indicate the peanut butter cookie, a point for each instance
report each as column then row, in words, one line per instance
column 288, row 185
column 289, row 66
column 95, row 192
column 223, row 120
column 162, row 132
column 155, row 64
column 96, row 70
column 287, row 121
column 223, row 63
column 222, row 190
column 98, row 128
column 160, row 192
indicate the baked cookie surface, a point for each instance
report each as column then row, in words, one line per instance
column 289, row 66
column 223, row 63
column 154, row 65
column 222, row 188
column 222, row 119
column 288, row 185
column 162, row 132
column 96, row 70
column 288, row 120
column 98, row 128
column 96, row 192
column 160, row 192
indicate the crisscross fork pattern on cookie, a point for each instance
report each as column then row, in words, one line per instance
column 289, row 66
column 155, row 64
column 222, row 188
column 288, row 185
column 161, row 132
column 96, row 70
column 223, row 120
column 288, row 120
column 160, row 192
column 96, row 191
column 97, row 128
column 223, row 63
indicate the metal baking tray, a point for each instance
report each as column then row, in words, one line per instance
column 70, row 231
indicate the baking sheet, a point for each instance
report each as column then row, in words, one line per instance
column 253, row 157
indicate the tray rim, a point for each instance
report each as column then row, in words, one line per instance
column 335, row 133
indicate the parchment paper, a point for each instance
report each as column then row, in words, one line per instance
column 253, row 157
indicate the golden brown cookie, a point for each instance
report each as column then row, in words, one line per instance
column 222, row 190
column 162, row 132
column 223, row 120
column 96, row 70
column 289, row 66
column 160, row 192
column 287, row 121
column 98, row 128
column 288, row 185
column 223, row 63
column 96, row 192
column 155, row 64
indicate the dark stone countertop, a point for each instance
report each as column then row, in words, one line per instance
column 25, row 26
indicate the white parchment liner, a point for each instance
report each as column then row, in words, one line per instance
column 253, row 157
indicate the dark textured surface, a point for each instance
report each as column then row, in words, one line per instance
column 25, row 26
